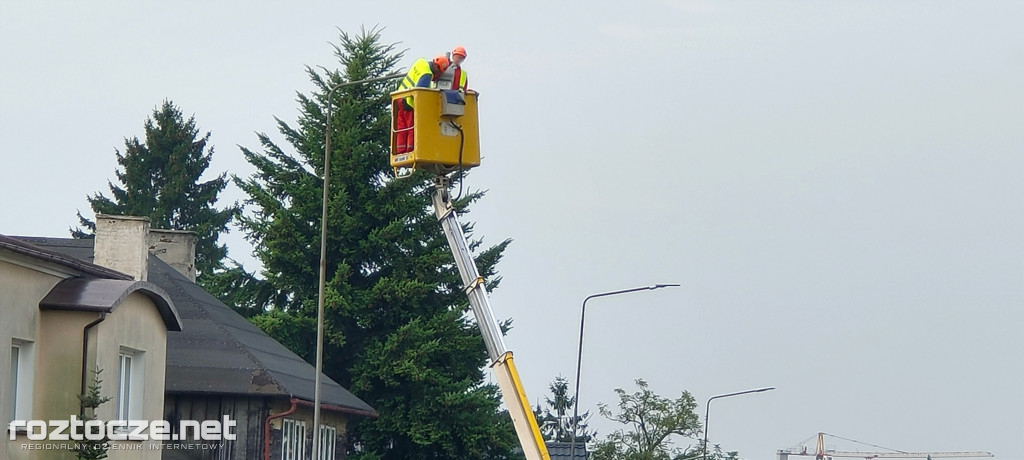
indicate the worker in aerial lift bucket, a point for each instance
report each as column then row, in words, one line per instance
column 455, row 77
column 421, row 75
column 453, row 82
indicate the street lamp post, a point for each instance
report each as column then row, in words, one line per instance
column 323, row 258
column 708, row 408
column 579, row 355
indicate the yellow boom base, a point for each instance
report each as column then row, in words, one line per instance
column 519, row 408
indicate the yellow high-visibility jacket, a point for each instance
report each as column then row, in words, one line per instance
column 419, row 76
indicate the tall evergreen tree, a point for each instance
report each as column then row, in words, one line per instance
column 160, row 179
column 396, row 328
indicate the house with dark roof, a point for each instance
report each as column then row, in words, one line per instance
column 62, row 318
column 221, row 365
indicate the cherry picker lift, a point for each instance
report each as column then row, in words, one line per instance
column 445, row 140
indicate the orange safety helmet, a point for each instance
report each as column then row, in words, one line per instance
column 459, row 51
column 442, row 62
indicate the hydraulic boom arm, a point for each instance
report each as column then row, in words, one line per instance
column 504, row 369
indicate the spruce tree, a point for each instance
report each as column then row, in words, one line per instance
column 160, row 178
column 92, row 399
column 397, row 332
column 556, row 421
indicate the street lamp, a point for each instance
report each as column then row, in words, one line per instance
column 708, row 408
column 579, row 355
column 323, row 258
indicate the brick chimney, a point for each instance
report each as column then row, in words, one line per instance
column 122, row 244
column 177, row 248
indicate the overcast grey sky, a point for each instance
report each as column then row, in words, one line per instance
column 836, row 184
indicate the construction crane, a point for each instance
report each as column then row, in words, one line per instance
column 445, row 141
column 821, row 453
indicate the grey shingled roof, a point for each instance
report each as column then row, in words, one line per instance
column 220, row 352
column 561, row 451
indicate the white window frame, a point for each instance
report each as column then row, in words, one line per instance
column 131, row 376
column 293, row 439
column 13, row 384
column 328, row 437
column 22, row 374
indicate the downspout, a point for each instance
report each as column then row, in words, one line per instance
column 85, row 353
column 266, row 427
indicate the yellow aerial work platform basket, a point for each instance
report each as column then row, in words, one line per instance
column 444, row 136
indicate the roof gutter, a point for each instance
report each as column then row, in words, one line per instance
column 343, row 409
column 266, row 427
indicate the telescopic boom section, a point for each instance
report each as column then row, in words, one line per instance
column 504, row 368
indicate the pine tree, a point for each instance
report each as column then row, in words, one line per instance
column 160, row 179
column 396, row 327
